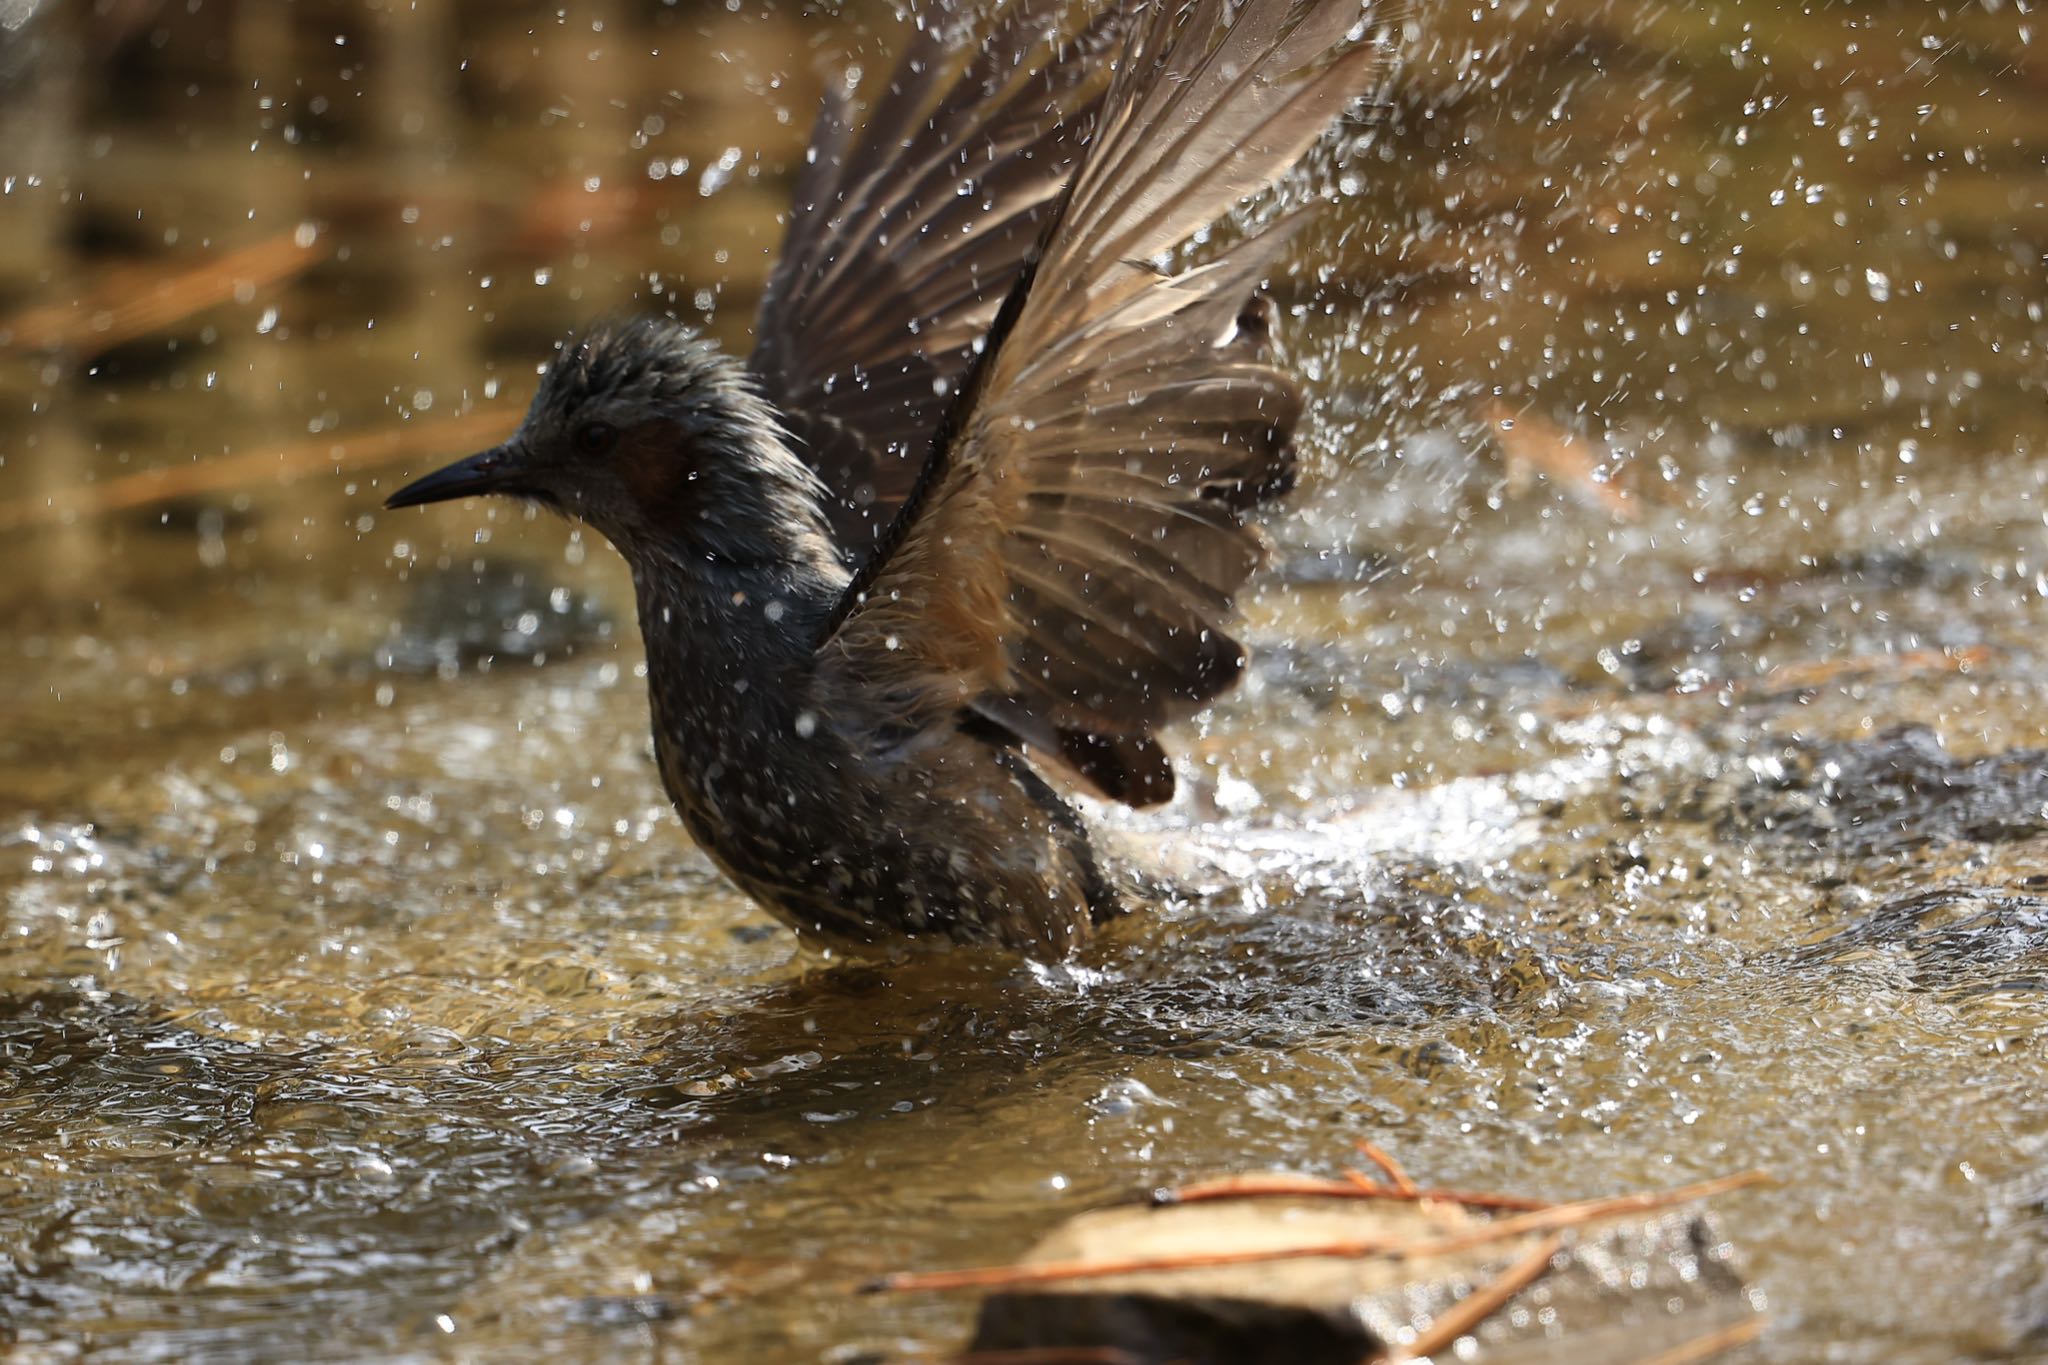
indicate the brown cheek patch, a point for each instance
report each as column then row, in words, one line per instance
column 655, row 465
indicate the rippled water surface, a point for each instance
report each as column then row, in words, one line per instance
column 1641, row 773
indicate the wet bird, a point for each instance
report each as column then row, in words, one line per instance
column 974, row 510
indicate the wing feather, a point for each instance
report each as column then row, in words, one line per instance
column 890, row 274
column 1069, row 572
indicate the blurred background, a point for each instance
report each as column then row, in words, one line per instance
column 1639, row 774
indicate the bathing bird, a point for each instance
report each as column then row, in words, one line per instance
column 963, row 532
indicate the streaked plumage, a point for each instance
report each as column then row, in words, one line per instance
column 976, row 502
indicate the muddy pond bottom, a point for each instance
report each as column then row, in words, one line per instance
column 409, row 1022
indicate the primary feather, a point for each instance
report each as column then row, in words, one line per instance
column 902, row 247
column 1070, row 573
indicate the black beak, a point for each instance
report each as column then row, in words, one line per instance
column 492, row 471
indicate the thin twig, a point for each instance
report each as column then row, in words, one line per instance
column 136, row 300
column 1355, row 1185
column 1257, row 1186
column 1802, row 677
column 1500, row 1230
column 1388, row 1166
column 1712, row 1344
column 222, row 473
column 1462, row 1317
column 1530, row 445
column 1589, row 1210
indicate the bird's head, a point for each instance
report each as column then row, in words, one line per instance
column 656, row 438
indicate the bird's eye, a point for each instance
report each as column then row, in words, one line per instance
column 595, row 438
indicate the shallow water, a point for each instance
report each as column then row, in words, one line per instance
column 360, row 998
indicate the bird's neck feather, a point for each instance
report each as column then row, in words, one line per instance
column 721, row 625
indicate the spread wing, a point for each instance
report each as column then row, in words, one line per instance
column 1068, row 567
column 903, row 242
